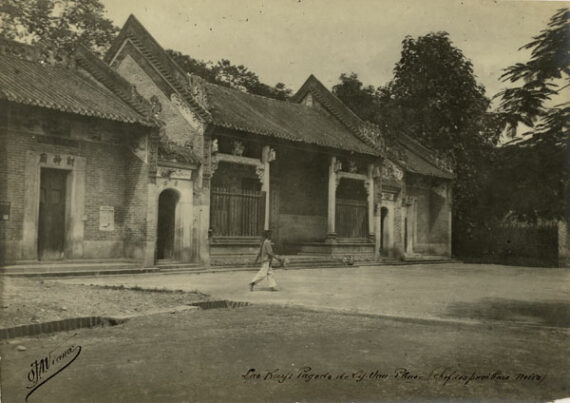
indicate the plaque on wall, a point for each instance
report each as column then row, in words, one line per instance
column 106, row 218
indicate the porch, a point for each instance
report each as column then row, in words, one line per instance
column 314, row 207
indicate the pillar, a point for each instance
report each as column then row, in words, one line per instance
column 331, row 216
column 265, row 183
column 450, row 218
column 378, row 226
column 151, row 220
column 370, row 192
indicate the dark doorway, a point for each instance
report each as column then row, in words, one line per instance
column 351, row 209
column 383, row 215
column 51, row 222
column 166, row 224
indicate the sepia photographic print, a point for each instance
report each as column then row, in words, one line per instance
column 284, row 201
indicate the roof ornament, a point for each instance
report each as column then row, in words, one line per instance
column 197, row 91
column 444, row 163
column 372, row 132
column 155, row 106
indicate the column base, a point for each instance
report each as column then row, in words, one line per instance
column 331, row 238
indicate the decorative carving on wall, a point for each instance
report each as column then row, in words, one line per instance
column 352, row 166
column 215, row 146
column 238, row 148
column 57, row 159
column 376, row 171
column 444, row 163
column 139, row 147
column 155, row 106
column 338, row 166
column 272, row 156
column 260, row 172
column 388, row 196
column 174, row 173
column 70, row 161
column 214, row 165
column 392, row 171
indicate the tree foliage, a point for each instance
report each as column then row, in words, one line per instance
column 358, row 97
column 532, row 177
column 434, row 94
column 58, row 23
column 541, row 77
column 225, row 73
column 434, row 98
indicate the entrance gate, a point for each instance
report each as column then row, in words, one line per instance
column 166, row 226
column 51, row 224
column 239, row 214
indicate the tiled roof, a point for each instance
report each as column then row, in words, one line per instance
column 64, row 89
column 176, row 77
column 416, row 164
column 421, row 160
column 416, row 158
column 234, row 109
column 365, row 131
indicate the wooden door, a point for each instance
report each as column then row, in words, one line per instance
column 166, row 225
column 51, row 224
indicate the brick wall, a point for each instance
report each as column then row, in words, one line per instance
column 178, row 129
column 114, row 176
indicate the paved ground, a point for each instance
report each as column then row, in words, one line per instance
column 451, row 291
column 25, row 301
column 299, row 356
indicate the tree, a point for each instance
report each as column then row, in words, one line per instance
column 541, row 77
column 437, row 98
column 229, row 75
column 359, row 98
column 434, row 98
column 58, row 23
column 533, row 175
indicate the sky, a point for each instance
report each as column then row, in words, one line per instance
column 287, row 40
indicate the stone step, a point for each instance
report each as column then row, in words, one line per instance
column 72, row 267
column 177, row 267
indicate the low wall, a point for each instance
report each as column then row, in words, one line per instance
column 511, row 244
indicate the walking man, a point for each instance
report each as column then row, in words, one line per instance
column 266, row 254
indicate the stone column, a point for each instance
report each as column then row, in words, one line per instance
column 331, row 233
column 151, row 220
column 370, row 192
column 450, row 215
column 265, row 182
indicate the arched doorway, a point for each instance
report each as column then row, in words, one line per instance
column 166, row 226
column 383, row 231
